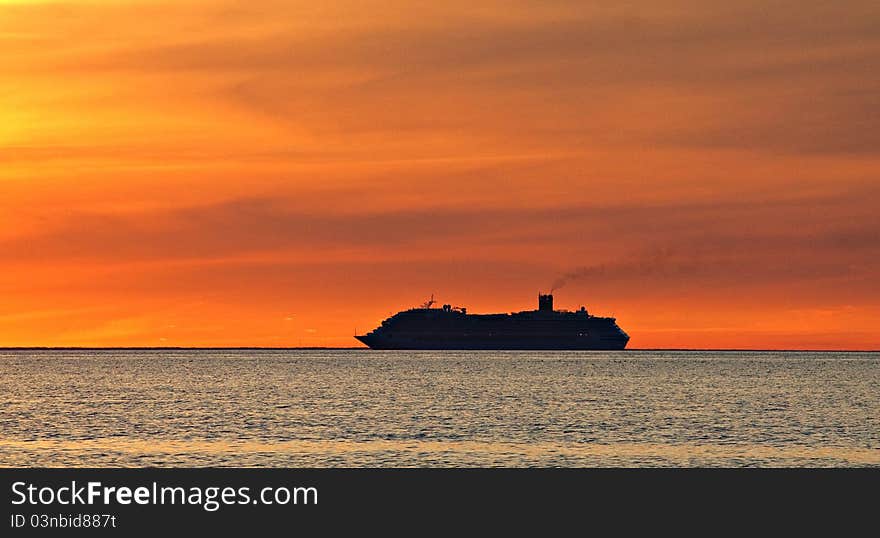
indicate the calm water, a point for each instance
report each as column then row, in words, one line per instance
column 363, row 408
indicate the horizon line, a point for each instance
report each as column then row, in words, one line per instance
column 354, row 348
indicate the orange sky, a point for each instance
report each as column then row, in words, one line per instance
column 268, row 173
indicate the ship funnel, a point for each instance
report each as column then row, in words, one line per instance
column 545, row 302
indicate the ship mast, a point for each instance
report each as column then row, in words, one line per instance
column 429, row 303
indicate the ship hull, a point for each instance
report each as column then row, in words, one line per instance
column 496, row 344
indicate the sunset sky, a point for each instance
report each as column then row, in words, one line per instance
column 269, row 173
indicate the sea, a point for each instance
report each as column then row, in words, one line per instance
column 362, row 408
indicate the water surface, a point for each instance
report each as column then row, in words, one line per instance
column 367, row 408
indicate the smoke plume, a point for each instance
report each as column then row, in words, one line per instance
column 660, row 263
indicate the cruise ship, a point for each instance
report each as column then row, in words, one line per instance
column 448, row 327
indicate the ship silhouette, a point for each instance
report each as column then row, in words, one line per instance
column 453, row 328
